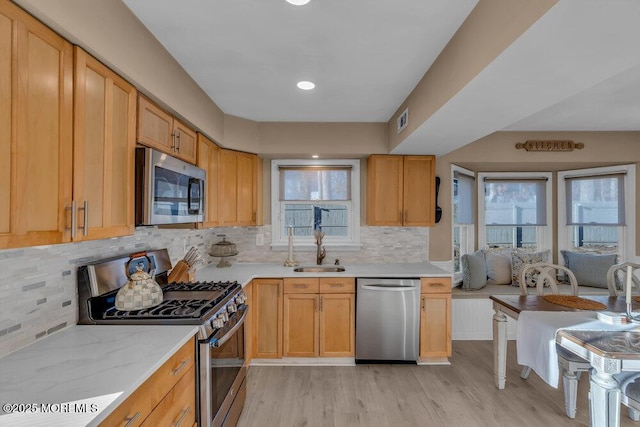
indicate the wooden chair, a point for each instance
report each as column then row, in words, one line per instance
column 620, row 270
column 571, row 365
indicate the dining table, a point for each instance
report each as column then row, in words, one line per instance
column 608, row 351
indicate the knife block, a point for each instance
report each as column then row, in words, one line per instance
column 181, row 273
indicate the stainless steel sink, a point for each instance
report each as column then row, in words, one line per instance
column 319, row 269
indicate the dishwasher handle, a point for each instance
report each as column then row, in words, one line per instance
column 389, row 288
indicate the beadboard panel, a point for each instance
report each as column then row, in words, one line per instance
column 472, row 319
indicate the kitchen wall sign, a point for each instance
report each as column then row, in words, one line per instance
column 549, row 145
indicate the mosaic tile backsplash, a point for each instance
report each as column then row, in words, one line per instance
column 38, row 290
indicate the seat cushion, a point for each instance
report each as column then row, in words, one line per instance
column 589, row 269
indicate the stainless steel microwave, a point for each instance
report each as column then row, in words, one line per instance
column 168, row 190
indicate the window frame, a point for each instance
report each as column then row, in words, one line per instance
column 279, row 240
column 544, row 234
column 626, row 233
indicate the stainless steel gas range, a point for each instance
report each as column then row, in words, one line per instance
column 217, row 308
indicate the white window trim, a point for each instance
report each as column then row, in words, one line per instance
column 467, row 232
column 279, row 241
column 626, row 234
column 545, row 234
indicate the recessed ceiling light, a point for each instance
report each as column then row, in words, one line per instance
column 315, row 156
column 298, row 2
column 305, row 85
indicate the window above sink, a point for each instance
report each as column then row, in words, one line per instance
column 315, row 195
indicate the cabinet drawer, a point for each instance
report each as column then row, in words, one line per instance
column 133, row 411
column 436, row 285
column 303, row 285
column 337, row 285
column 171, row 372
column 178, row 408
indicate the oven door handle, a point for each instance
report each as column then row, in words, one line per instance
column 232, row 331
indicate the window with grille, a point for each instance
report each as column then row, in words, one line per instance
column 315, row 195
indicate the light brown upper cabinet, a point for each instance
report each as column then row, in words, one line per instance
column 160, row 130
column 238, row 188
column 208, row 159
column 36, row 131
column 104, row 145
column 401, row 190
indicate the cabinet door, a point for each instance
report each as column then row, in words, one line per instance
column 155, row 126
column 237, row 188
column 246, row 190
column 337, row 325
column 435, row 325
column 419, row 191
column 185, row 142
column 384, row 190
column 258, row 191
column 267, row 318
column 301, row 318
column 227, row 188
column 36, row 83
column 104, row 144
column 208, row 157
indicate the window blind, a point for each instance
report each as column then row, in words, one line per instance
column 463, row 212
column 595, row 200
column 309, row 183
column 515, row 202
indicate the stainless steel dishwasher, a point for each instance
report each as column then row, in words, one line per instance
column 387, row 320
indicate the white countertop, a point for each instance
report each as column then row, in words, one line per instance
column 245, row 272
column 99, row 366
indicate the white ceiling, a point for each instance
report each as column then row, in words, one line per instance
column 577, row 68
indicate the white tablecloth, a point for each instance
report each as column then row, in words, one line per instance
column 536, row 337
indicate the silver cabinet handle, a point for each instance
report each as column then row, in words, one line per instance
column 73, row 218
column 181, row 366
column 174, row 136
column 184, row 413
column 131, row 420
column 179, row 138
column 85, row 208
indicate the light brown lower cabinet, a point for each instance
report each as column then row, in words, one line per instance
column 435, row 318
column 319, row 317
column 168, row 397
column 267, row 318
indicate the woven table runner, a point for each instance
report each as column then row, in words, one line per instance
column 572, row 301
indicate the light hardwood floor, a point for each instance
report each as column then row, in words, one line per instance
column 462, row 394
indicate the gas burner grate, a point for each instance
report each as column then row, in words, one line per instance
column 169, row 309
column 200, row 286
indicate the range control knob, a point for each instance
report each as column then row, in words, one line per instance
column 241, row 298
column 224, row 316
column 217, row 323
column 232, row 308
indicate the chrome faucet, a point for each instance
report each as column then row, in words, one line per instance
column 321, row 251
